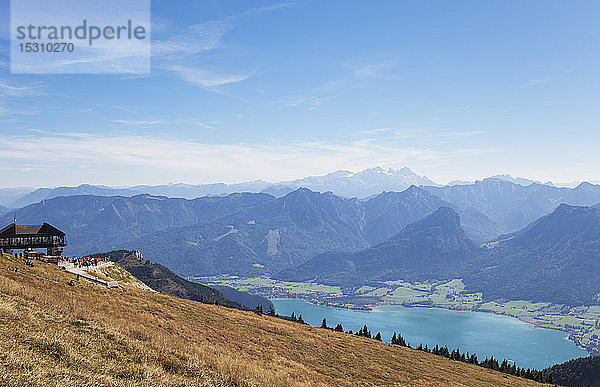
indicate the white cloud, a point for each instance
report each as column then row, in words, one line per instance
column 196, row 39
column 276, row 160
column 143, row 123
column 9, row 89
column 206, row 78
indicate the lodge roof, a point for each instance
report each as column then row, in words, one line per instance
column 13, row 230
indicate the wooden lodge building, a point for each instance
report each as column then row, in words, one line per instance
column 28, row 237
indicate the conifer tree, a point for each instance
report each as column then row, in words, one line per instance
column 378, row 336
column 324, row 323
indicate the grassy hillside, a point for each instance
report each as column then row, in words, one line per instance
column 55, row 334
column 160, row 278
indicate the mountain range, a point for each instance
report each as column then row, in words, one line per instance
column 266, row 238
column 512, row 206
column 361, row 184
column 554, row 259
column 99, row 223
column 435, row 247
column 239, row 233
column 252, row 234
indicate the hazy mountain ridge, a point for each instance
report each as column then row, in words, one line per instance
column 435, row 247
column 519, row 180
column 10, row 195
column 556, row 258
column 512, row 206
column 274, row 235
column 100, row 223
column 389, row 212
column 191, row 191
column 368, row 182
column 84, row 189
column 361, row 184
column 287, row 231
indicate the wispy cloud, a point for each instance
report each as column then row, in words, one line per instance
column 548, row 79
column 206, row 78
column 275, row 160
column 379, row 70
column 195, row 39
column 142, row 123
column 353, row 75
column 416, row 134
column 180, row 53
column 371, row 132
column 10, row 89
column 535, row 82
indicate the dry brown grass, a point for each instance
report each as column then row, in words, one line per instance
column 56, row 335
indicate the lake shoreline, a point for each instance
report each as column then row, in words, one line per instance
column 579, row 323
column 373, row 308
column 506, row 336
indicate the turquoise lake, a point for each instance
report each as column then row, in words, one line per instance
column 485, row 334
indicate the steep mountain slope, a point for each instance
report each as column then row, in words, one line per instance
column 3, row 210
column 513, row 206
column 556, row 259
column 52, row 333
column 433, row 248
column 361, row 184
column 98, row 223
column 159, row 278
column 584, row 371
column 389, row 212
column 263, row 239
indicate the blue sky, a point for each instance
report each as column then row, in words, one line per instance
column 242, row 90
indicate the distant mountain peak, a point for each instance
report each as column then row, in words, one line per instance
column 519, row 180
column 361, row 184
column 444, row 217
